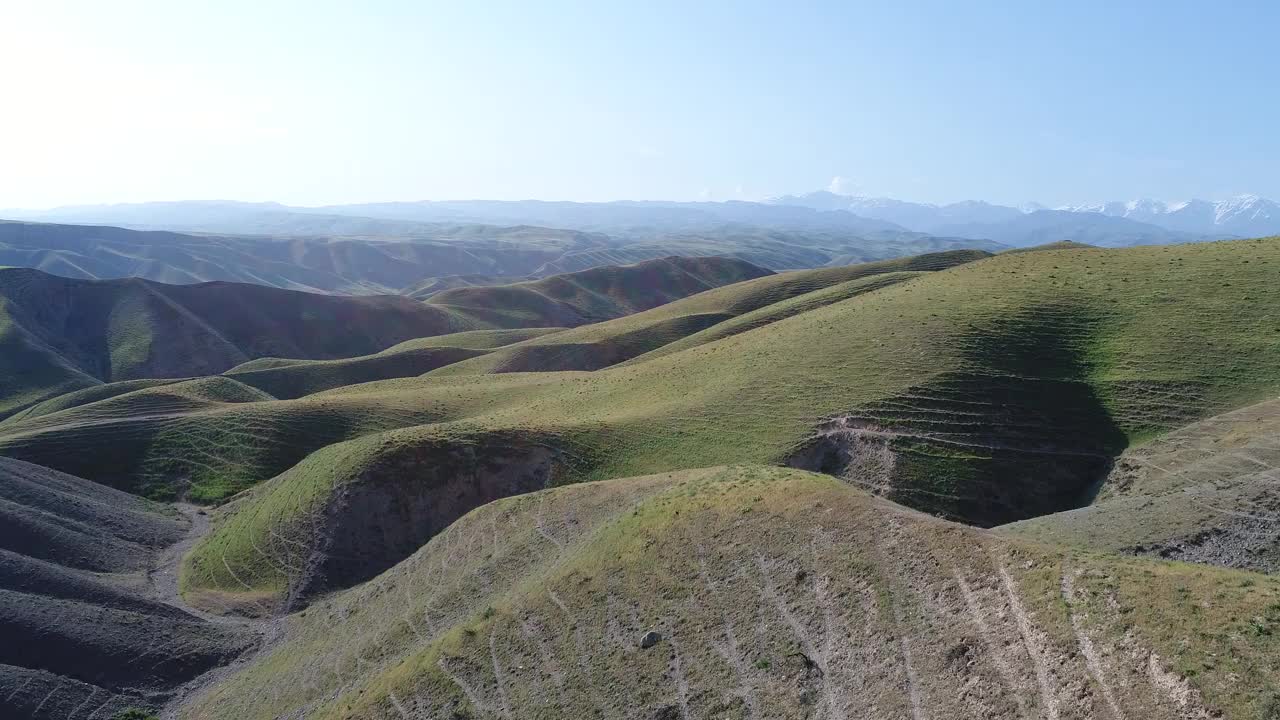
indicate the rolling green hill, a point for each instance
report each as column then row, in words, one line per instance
column 602, row 293
column 289, row 379
column 968, row 379
column 760, row 592
column 669, row 327
column 993, row 391
column 435, row 546
column 60, row 335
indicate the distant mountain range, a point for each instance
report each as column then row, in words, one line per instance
column 633, row 224
column 415, row 218
column 1243, row 216
column 434, row 257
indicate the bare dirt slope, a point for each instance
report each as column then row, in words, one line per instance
column 85, row 634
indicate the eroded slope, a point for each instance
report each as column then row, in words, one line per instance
column 754, row 593
column 1208, row 493
column 85, row 632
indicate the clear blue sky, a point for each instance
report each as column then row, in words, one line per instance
column 323, row 102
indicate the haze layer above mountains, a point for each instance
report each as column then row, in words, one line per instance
column 1242, row 216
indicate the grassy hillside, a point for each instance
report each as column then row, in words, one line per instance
column 1058, row 245
column 87, row 629
column 989, row 392
column 994, row 391
column 287, row 379
column 668, row 327
column 761, row 592
column 61, row 335
column 444, row 554
column 598, row 294
column 90, row 394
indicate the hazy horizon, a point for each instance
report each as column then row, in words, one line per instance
column 313, row 105
column 444, row 200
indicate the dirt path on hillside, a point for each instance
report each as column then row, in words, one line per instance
column 162, row 578
column 162, row 586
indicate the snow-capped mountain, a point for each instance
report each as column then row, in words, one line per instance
column 921, row 217
column 1245, row 215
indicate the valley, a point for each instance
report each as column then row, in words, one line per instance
column 1023, row 484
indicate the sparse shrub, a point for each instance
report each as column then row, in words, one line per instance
column 763, row 664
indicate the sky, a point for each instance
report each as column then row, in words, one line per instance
column 317, row 102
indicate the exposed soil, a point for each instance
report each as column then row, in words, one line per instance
column 408, row 497
column 1007, row 476
column 163, row 586
column 89, row 613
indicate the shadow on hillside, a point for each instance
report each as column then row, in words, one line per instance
column 1018, row 431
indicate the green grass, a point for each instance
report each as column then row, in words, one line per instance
column 779, row 310
column 704, row 316
column 289, row 379
column 90, row 394
column 1003, row 385
column 601, row 293
column 59, row 335
column 30, row 373
column 471, row 340
column 751, row 575
column 1059, row 245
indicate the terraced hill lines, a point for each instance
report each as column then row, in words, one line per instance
column 86, row 633
column 91, row 394
column 600, row 345
column 760, row 592
column 289, row 379
column 1208, row 493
